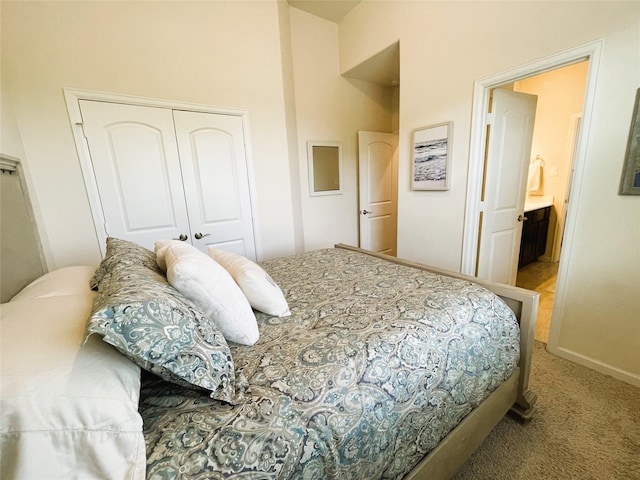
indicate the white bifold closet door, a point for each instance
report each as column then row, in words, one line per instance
column 170, row 174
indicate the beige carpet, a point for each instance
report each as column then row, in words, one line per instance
column 587, row 427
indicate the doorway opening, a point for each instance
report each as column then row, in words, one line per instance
column 560, row 95
column 574, row 146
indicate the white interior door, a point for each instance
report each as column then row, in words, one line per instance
column 378, row 183
column 214, row 169
column 511, row 130
column 135, row 162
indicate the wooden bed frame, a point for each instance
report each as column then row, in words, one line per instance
column 513, row 395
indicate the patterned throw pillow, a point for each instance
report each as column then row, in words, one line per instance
column 123, row 254
column 147, row 320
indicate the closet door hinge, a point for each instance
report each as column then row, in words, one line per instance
column 489, row 118
column 81, row 125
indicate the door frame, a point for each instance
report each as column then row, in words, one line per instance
column 575, row 124
column 481, row 90
column 73, row 96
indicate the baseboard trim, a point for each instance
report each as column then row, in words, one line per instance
column 617, row 373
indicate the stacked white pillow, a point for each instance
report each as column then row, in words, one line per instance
column 210, row 287
column 262, row 292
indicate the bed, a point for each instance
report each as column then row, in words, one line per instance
column 374, row 367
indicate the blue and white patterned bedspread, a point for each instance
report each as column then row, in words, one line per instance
column 376, row 364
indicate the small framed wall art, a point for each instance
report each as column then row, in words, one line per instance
column 431, row 157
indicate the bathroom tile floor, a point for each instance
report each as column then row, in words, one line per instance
column 541, row 277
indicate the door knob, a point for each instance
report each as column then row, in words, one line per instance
column 199, row 235
column 182, row 237
column 364, row 212
column 521, row 218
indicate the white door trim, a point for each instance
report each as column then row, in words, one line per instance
column 574, row 130
column 73, row 97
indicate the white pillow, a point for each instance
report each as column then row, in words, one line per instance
column 160, row 248
column 211, row 289
column 63, row 281
column 262, row 292
column 66, row 410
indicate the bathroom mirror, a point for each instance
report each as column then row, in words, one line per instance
column 325, row 168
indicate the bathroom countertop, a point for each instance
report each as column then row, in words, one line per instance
column 533, row 202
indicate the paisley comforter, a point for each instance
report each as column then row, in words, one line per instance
column 376, row 364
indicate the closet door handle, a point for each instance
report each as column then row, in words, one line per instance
column 522, row 218
column 182, row 237
column 199, row 235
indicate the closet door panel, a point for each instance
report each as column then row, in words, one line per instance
column 141, row 179
column 137, row 170
column 214, row 169
column 217, row 180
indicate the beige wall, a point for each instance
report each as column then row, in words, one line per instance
column 444, row 48
column 215, row 53
column 331, row 108
column 10, row 141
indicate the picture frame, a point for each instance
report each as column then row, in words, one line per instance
column 325, row 168
column 431, row 157
column 630, row 181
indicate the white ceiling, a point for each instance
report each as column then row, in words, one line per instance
column 333, row 10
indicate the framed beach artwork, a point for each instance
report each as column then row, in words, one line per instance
column 431, row 157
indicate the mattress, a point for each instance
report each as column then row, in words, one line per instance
column 375, row 365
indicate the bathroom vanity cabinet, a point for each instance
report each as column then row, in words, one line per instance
column 534, row 235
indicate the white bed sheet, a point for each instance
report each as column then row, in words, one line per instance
column 67, row 410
